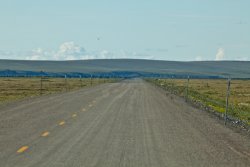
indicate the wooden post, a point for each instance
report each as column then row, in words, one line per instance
column 187, row 89
column 91, row 80
column 172, row 89
column 66, row 87
column 227, row 98
column 80, row 80
column 41, row 84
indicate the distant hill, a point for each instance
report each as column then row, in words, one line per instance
column 236, row 69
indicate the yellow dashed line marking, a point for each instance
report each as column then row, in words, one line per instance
column 83, row 109
column 45, row 134
column 22, row 149
column 74, row 115
column 62, row 123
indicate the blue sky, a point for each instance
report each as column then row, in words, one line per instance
column 183, row 30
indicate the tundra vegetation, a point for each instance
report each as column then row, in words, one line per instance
column 212, row 93
column 12, row 89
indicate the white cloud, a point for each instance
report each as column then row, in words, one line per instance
column 134, row 55
column 37, row 54
column 104, row 54
column 72, row 51
column 198, row 58
column 242, row 58
column 9, row 55
column 34, row 57
column 66, row 51
column 87, row 57
column 220, row 54
column 69, row 51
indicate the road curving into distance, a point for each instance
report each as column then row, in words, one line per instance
column 126, row 124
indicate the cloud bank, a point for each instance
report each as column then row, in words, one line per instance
column 66, row 51
column 72, row 51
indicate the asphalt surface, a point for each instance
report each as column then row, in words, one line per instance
column 126, row 124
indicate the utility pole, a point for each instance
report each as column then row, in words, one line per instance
column 227, row 98
column 187, row 89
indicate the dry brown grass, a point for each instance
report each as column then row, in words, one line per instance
column 12, row 89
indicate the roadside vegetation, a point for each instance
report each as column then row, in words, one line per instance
column 212, row 94
column 12, row 89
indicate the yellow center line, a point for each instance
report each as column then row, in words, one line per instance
column 74, row 115
column 45, row 134
column 22, row 149
column 62, row 123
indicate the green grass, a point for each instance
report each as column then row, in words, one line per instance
column 212, row 93
column 12, row 89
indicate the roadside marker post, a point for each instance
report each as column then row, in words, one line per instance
column 187, row 88
column 80, row 80
column 91, row 80
column 41, row 84
column 227, row 99
column 66, row 88
column 172, row 84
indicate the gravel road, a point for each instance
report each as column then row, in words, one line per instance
column 125, row 124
